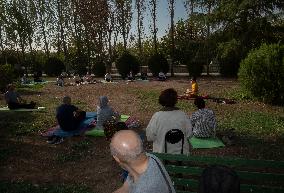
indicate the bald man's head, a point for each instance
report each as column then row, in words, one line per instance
column 126, row 145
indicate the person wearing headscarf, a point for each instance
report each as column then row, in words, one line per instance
column 104, row 112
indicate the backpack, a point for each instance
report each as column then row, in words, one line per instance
column 219, row 179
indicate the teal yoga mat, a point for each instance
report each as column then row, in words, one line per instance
column 100, row 132
column 203, row 143
column 6, row 109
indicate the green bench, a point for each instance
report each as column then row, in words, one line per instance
column 261, row 176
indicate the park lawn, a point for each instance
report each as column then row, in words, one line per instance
column 84, row 164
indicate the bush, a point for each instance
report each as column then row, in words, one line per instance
column 54, row 66
column 158, row 63
column 229, row 57
column 7, row 75
column 194, row 68
column 99, row 68
column 127, row 63
column 262, row 73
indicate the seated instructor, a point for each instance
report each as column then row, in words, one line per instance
column 15, row 101
column 146, row 173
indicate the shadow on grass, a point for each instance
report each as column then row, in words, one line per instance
column 25, row 187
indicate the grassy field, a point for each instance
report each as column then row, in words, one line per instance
column 83, row 164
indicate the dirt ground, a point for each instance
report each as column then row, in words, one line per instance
column 31, row 159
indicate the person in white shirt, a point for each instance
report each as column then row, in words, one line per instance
column 170, row 117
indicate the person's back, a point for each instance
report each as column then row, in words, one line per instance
column 203, row 120
column 164, row 121
column 65, row 116
column 155, row 179
column 11, row 96
column 104, row 112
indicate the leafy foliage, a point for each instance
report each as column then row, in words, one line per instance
column 229, row 57
column 54, row 66
column 127, row 63
column 7, row 74
column 99, row 68
column 79, row 64
column 158, row 63
column 262, row 73
column 194, row 68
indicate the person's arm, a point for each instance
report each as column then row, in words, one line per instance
column 152, row 128
column 123, row 189
column 20, row 98
column 188, row 124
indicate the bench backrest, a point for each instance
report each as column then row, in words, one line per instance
column 261, row 176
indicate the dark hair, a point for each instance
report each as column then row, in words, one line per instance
column 168, row 98
column 193, row 78
column 199, row 102
column 219, row 179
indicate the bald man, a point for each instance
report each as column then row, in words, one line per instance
column 146, row 174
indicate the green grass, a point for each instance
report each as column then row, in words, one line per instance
column 250, row 123
column 77, row 151
column 23, row 187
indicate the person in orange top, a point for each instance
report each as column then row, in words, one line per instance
column 194, row 88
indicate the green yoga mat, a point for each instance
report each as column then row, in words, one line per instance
column 100, row 132
column 21, row 110
column 199, row 143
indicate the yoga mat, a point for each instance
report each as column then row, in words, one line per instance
column 21, row 110
column 100, row 132
column 202, row 143
column 90, row 117
column 105, row 82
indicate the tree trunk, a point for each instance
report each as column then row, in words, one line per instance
column 43, row 31
column 207, row 38
column 172, row 11
column 154, row 25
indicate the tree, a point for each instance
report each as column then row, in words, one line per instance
column 153, row 10
column 140, row 6
column 172, row 30
column 124, row 17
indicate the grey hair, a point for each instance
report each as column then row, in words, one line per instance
column 127, row 155
column 66, row 100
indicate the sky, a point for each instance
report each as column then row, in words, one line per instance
column 163, row 17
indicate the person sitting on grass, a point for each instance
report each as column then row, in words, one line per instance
column 15, row 101
column 24, row 79
column 162, row 76
column 108, row 77
column 105, row 112
column 60, row 80
column 37, row 76
column 194, row 89
column 203, row 120
column 68, row 118
column 146, row 173
column 168, row 118
column 130, row 76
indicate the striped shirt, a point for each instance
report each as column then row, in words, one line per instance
column 203, row 123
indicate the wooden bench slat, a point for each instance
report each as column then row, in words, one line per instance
column 224, row 160
column 260, row 189
column 196, row 171
column 191, row 183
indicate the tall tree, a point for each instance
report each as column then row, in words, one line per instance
column 153, row 11
column 140, row 6
column 124, row 17
column 172, row 30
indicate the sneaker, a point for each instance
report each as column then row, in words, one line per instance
column 51, row 139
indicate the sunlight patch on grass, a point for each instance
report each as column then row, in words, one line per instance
column 258, row 124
